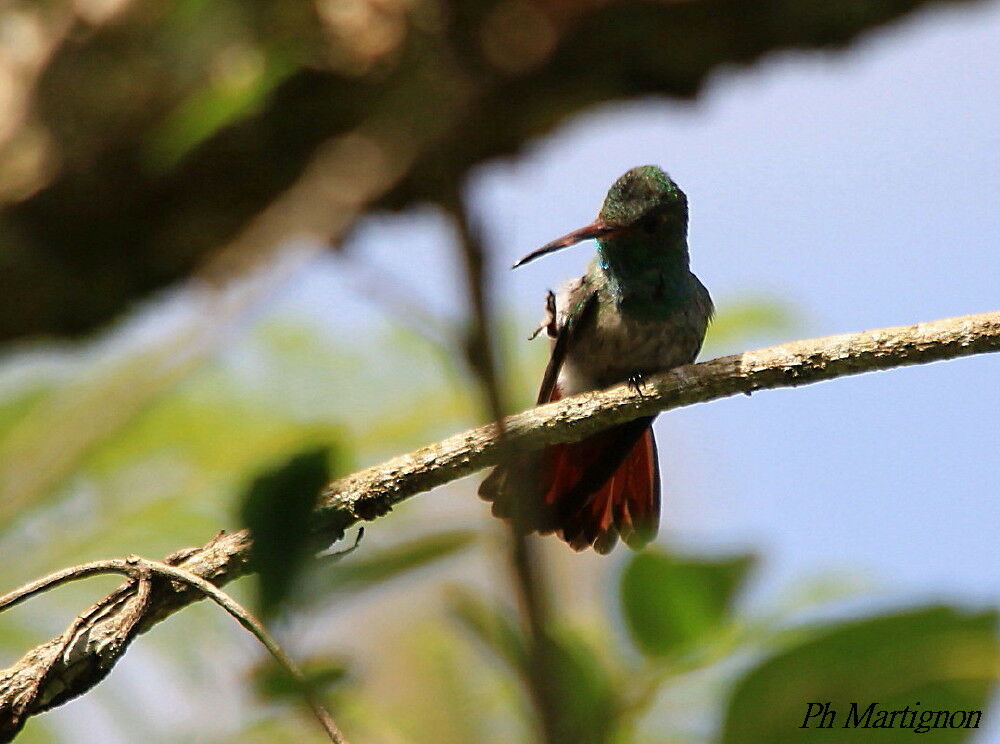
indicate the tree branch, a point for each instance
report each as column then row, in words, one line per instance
column 141, row 572
column 71, row 664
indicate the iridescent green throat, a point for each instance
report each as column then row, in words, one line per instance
column 647, row 276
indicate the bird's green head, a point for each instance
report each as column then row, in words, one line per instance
column 644, row 205
column 642, row 199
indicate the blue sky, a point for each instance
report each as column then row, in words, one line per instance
column 862, row 188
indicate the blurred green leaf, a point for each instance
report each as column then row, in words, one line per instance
column 749, row 317
column 320, row 674
column 276, row 508
column 588, row 703
column 246, row 77
column 374, row 566
column 672, row 603
column 939, row 657
column 14, row 407
column 588, row 706
column 493, row 627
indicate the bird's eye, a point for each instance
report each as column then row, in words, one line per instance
column 650, row 223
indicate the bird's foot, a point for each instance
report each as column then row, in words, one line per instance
column 549, row 323
column 637, row 383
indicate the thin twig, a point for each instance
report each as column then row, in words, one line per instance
column 254, row 626
column 140, row 570
column 527, row 566
column 66, row 575
column 46, row 677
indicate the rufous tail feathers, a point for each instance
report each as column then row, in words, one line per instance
column 589, row 492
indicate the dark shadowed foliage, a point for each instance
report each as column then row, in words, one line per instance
column 152, row 139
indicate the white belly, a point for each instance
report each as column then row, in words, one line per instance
column 615, row 346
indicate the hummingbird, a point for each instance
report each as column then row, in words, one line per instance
column 637, row 310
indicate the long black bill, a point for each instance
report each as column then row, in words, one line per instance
column 593, row 230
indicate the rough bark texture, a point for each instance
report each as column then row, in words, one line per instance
column 71, row 664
